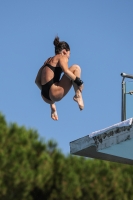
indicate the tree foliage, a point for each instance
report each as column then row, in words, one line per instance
column 32, row 169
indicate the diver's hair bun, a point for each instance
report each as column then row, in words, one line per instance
column 60, row 45
column 56, row 41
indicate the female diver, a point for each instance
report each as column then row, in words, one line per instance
column 48, row 78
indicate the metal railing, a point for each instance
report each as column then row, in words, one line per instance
column 123, row 103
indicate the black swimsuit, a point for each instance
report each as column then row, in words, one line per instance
column 46, row 87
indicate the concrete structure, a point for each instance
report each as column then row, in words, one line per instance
column 114, row 143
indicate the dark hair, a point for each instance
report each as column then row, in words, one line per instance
column 59, row 46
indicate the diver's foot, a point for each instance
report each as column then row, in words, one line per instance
column 78, row 98
column 54, row 114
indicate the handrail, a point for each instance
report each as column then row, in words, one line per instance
column 123, row 100
column 127, row 75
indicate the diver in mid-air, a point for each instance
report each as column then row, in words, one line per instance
column 48, row 78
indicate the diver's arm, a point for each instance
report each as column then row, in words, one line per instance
column 63, row 62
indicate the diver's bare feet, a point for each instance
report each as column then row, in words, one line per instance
column 78, row 98
column 54, row 115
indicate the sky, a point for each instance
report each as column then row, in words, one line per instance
column 100, row 35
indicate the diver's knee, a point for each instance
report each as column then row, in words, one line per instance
column 77, row 67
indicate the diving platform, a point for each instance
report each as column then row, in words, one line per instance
column 114, row 143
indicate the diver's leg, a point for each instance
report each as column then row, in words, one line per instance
column 78, row 91
column 64, row 86
column 54, row 115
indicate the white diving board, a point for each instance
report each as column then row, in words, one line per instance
column 114, row 143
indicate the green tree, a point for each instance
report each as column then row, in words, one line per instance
column 24, row 163
column 32, row 169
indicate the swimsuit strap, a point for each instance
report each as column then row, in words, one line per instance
column 50, row 66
